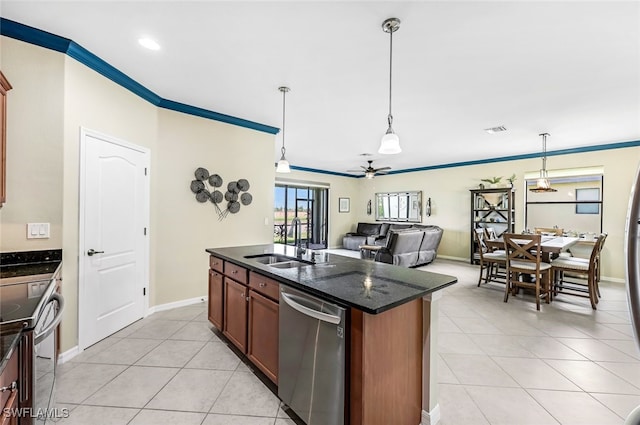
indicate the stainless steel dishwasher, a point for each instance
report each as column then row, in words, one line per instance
column 311, row 365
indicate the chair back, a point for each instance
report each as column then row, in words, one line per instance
column 490, row 233
column 478, row 236
column 551, row 230
column 595, row 252
column 523, row 251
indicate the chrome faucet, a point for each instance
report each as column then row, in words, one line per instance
column 297, row 240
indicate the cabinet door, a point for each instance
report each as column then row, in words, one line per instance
column 216, row 299
column 9, row 398
column 235, row 313
column 263, row 334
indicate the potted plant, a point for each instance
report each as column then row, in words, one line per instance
column 511, row 179
column 493, row 181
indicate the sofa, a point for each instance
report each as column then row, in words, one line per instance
column 353, row 240
column 403, row 244
column 411, row 247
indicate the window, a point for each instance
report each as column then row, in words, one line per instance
column 399, row 206
column 588, row 194
column 307, row 203
column 576, row 207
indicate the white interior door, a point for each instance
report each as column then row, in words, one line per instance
column 114, row 211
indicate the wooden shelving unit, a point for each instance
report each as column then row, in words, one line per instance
column 492, row 208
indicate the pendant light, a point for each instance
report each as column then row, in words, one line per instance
column 283, row 164
column 542, row 184
column 390, row 143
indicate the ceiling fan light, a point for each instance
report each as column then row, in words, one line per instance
column 369, row 175
column 390, row 143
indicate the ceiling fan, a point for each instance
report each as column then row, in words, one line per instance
column 370, row 172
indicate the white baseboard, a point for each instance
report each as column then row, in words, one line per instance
column 450, row 257
column 176, row 304
column 68, row 355
column 432, row 417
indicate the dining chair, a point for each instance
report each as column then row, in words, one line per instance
column 525, row 268
column 579, row 268
column 551, row 230
column 488, row 259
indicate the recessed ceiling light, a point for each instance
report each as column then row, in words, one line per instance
column 149, row 43
column 494, row 130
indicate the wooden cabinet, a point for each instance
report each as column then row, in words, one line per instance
column 244, row 306
column 216, row 299
column 9, row 397
column 263, row 325
column 235, row 313
column 491, row 208
column 4, row 88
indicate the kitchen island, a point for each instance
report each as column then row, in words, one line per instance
column 390, row 310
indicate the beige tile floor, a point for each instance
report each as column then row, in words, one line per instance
column 498, row 364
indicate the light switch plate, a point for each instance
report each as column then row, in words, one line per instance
column 38, row 230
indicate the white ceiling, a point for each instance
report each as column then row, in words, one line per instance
column 568, row 68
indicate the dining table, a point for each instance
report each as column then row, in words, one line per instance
column 549, row 245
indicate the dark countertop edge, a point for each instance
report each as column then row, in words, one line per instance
column 12, row 258
column 11, row 333
column 322, row 294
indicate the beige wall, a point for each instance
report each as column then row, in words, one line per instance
column 34, row 145
column 184, row 228
column 96, row 103
column 450, row 197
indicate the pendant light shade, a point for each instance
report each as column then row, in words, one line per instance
column 283, row 164
column 542, row 183
column 390, row 143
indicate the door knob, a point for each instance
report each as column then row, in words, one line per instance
column 91, row 252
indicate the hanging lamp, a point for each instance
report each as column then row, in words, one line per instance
column 542, row 183
column 390, row 143
column 283, row 164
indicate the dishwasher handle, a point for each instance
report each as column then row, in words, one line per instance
column 329, row 318
column 56, row 321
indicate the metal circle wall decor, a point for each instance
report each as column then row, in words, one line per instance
column 204, row 188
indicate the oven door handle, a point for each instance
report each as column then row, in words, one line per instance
column 56, row 321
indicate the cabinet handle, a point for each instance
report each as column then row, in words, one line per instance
column 234, row 271
column 262, row 284
column 247, row 299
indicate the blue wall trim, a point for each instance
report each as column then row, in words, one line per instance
column 87, row 58
column 50, row 41
column 594, row 148
column 33, row 35
column 314, row 170
column 194, row 110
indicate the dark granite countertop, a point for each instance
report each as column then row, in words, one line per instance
column 366, row 285
column 17, row 269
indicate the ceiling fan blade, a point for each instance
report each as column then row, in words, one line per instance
column 354, row 171
column 382, row 172
column 382, row 169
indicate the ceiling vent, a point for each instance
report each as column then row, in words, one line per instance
column 494, row 130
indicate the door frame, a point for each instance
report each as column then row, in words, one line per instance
column 82, row 313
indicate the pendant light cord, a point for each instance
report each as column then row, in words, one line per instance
column 544, row 151
column 284, row 92
column 390, row 117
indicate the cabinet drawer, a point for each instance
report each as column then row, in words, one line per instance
column 216, row 264
column 264, row 285
column 235, row 272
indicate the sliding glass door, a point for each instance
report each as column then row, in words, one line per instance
column 309, row 205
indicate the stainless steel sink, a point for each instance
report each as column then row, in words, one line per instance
column 288, row 264
column 269, row 258
column 278, row 261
